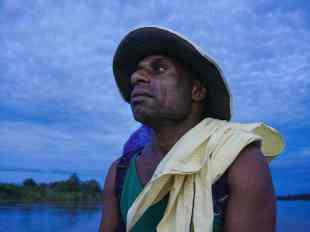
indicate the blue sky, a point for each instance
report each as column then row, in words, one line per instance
column 60, row 110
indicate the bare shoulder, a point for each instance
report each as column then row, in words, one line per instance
column 110, row 212
column 109, row 184
column 250, row 171
column 251, row 206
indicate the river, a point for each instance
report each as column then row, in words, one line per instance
column 292, row 216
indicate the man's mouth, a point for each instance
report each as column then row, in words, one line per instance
column 138, row 99
column 140, row 95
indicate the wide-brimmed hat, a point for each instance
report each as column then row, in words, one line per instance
column 146, row 41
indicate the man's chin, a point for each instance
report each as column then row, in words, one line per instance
column 140, row 114
column 142, row 118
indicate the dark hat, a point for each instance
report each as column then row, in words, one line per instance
column 146, row 41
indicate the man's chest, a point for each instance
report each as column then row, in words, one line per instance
column 146, row 165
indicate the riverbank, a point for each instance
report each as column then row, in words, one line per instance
column 70, row 190
column 73, row 190
column 297, row 197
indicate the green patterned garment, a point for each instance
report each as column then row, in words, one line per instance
column 150, row 219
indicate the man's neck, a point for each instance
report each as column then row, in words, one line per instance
column 166, row 135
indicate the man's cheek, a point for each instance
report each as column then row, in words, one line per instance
column 162, row 95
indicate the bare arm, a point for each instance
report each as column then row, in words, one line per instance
column 252, row 205
column 110, row 214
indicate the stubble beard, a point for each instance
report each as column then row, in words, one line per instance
column 143, row 116
column 154, row 119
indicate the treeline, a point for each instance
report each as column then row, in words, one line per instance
column 70, row 190
column 299, row 197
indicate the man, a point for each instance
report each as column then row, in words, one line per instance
column 182, row 97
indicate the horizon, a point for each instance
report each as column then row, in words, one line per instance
column 69, row 175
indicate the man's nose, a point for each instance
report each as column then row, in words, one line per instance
column 140, row 76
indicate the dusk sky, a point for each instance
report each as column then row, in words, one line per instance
column 61, row 112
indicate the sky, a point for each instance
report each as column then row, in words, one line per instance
column 60, row 109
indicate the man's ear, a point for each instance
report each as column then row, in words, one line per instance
column 199, row 92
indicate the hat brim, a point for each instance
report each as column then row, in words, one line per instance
column 147, row 41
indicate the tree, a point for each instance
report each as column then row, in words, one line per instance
column 73, row 182
column 91, row 186
column 29, row 182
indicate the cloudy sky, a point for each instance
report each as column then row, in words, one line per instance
column 60, row 110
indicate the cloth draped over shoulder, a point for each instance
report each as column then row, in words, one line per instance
column 192, row 165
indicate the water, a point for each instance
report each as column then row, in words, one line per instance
column 48, row 218
column 292, row 216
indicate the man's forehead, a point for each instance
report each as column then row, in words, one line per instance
column 157, row 58
column 165, row 59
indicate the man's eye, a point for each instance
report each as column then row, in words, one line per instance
column 162, row 69
column 159, row 68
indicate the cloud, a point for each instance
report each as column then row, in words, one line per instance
column 58, row 99
column 31, row 146
column 67, row 52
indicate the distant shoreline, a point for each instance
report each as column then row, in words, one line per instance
column 74, row 191
column 295, row 197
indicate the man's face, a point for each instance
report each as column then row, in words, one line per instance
column 162, row 90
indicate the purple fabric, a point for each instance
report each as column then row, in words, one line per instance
column 135, row 142
column 137, row 139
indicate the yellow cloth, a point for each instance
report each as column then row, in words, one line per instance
column 190, row 168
